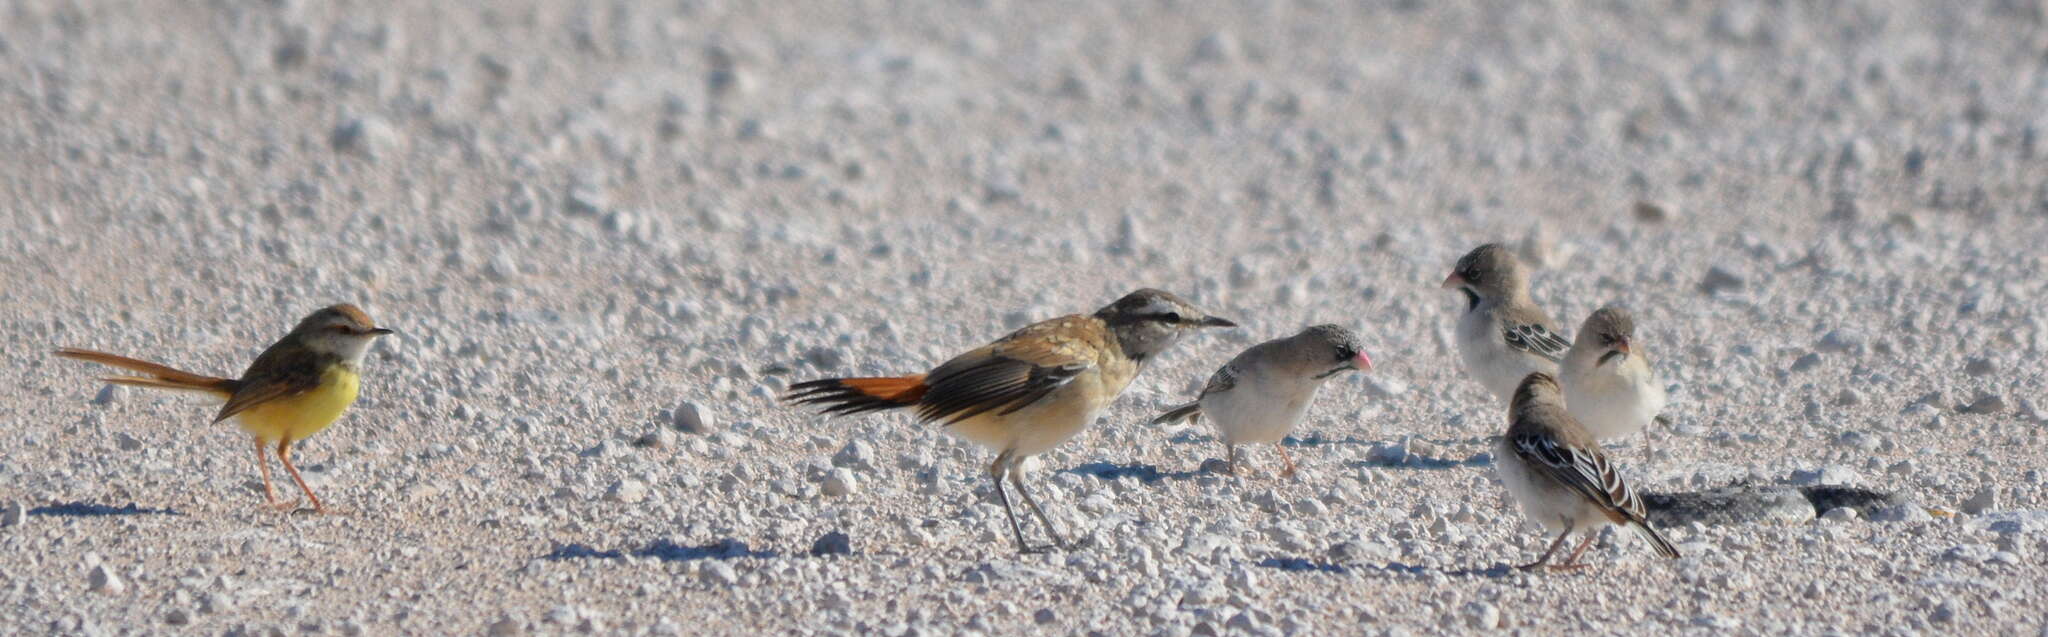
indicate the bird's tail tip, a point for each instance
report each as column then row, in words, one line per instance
column 1177, row 414
column 842, row 396
column 153, row 375
column 1657, row 540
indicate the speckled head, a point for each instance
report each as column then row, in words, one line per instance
column 1332, row 349
column 1487, row 272
column 1611, row 329
column 1148, row 321
column 1536, row 389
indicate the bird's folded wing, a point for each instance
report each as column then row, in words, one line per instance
column 1012, row 373
column 1223, row 380
column 277, row 373
column 1531, row 332
column 1585, row 471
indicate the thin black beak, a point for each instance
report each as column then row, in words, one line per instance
column 380, row 331
column 1211, row 321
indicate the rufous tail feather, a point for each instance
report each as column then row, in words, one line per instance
column 859, row 395
column 154, row 375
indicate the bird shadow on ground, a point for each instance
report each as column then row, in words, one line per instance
column 1384, row 454
column 91, row 510
column 1301, row 565
column 1413, row 461
column 1143, row 472
column 663, row 550
column 1319, row 441
column 1193, row 438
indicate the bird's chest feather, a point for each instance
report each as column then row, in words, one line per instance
column 299, row 416
column 1112, row 375
column 1477, row 327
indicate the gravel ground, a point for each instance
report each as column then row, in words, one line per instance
column 613, row 232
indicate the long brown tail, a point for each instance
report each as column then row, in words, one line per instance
column 155, row 375
column 858, row 395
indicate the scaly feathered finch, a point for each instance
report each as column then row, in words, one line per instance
column 1562, row 480
column 1261, row 395
column 1608, row 385
column 1503, row 336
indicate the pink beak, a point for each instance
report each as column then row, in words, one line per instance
column 1361, row 362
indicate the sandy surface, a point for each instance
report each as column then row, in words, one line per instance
column 586, row 215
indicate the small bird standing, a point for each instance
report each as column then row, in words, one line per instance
column 1562, row 480
column 1260, row 395
column 1608, row 385
column 295, row 389
column 1029, row 391
column 1503, row 335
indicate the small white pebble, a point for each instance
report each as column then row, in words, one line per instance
column 627, row 491
column 103, row 580
column 840, row 482
column 694, row 418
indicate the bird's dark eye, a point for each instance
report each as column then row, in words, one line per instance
column 340, row 329
column 1170, row 318
column 1345, row 354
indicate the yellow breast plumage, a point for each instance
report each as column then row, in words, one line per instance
column 294, row 418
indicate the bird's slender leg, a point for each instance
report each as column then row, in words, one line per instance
column 996, row 471
column 1289, row 471
column 284, row 454
column 1573, row 561
column 263, row 464
column 1230, row 458
column 1561, row 537
column 1017, row 480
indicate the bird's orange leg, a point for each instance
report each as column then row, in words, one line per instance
column 1289, row 471
column 284, row 454
column 1573, row 561
column 263, row 464
column 1561, row 537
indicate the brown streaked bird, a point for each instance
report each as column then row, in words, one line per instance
column 296, row 388
column 1029, row 391
column 1503, row 335
column 1559, row 475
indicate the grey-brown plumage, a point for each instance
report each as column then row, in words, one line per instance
column 1261, row 395
column 1558, row 474
column 1029, row 391
column 1503, row 335
column 1608, row 384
